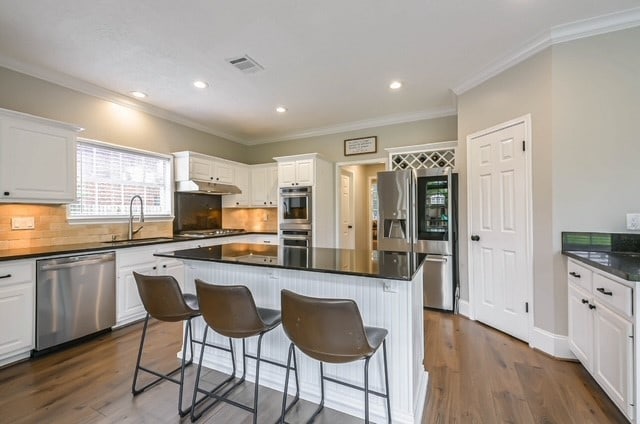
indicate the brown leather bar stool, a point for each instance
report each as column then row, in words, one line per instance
column 164, row 301
column 331, row 330
column 231, row 311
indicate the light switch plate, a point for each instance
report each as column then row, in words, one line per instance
column 23, row 223
column 633, row 221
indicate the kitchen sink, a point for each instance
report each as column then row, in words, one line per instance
column 150, row 240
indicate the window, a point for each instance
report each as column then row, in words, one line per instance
column 109, row 176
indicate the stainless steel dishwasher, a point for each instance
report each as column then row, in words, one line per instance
column 75, row 297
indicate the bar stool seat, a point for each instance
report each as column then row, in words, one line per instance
column 332, row 331
column 231, row 311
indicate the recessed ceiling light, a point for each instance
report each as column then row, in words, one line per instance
column 281, row 109
column 138, row 94
column 200, row 84
column 395, row 85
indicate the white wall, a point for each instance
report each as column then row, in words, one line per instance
column 106, row 121
column 596, row 142
column 525, row 88
column 584, row 98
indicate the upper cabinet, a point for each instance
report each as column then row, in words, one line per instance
column 196, row 166
column 296, row 172
column 241, row 180
column 37, row 159
column 264, row 186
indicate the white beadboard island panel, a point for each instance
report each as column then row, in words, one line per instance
column 393, row 304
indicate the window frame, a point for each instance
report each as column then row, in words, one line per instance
column 106, row 219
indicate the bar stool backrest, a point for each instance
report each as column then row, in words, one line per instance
column 328, row 330
column 162, row 297
column 229, row 310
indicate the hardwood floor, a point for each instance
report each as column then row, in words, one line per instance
column 480, row 375
column 476, row 375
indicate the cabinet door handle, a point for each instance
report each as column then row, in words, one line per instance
column 592, row 306
column 155, row 267
column 574, row 274
column 475, row 238
column 164, row 266
column 585, row 301
column 6, row 193
column 5, row 276
column 266, row 241
column 605, row 292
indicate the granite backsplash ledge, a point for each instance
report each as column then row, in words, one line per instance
column 601, row 242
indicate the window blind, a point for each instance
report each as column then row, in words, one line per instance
column 109, row 176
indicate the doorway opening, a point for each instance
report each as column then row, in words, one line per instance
column 356, row 211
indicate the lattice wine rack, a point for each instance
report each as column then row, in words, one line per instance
column 421, row 160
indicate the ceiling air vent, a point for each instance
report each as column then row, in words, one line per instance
column 245, row 64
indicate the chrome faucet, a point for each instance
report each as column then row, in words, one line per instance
column 131, row 231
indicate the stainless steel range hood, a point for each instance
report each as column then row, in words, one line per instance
column 206, row 187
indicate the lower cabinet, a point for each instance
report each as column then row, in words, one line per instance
column 601, row 332
column 17, row 310
column 613, row 359
column 129, row 307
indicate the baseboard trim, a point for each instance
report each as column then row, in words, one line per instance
column 551, row 344
column 464, row 308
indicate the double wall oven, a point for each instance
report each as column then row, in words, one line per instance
column 295, row 217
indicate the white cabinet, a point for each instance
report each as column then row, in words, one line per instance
column 601, row 331
column 129, row 306
column 37, row 159
column 264, row 186
column 580, row 326
column 241, row 180
column 296, row 173
column 196, row 166
column 17, row 310
column 613, row 360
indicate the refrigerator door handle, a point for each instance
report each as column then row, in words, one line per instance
column 437, row 258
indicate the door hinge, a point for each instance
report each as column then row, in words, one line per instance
column 526, row 307
column 523, row 146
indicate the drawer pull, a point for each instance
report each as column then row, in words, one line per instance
column 603, row 291
column 5, row 276
column 592, row 306
column 585, row 301
column 574, row 274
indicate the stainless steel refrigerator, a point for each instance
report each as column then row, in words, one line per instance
column 418, row 212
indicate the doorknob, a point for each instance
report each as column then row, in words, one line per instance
column 475, row 238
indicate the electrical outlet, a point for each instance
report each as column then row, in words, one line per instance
column 633, row 221
column 23, row 223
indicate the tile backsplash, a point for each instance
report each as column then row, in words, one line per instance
column 251, row 219
column 52, row 228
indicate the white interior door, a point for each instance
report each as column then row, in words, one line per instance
column 347, row 233
column 498, row 212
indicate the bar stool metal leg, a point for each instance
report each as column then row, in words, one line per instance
column 168, row 376
column 285, row 409
column 386, row 380
column 366, row 390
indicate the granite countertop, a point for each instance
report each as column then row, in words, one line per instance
column 366, row 263
column 617, row 254
column 34, row 252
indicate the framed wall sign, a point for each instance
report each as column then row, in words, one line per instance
column 359, row 146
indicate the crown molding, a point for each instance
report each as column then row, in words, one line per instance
column 360, row 125
column 90, row 89
column 580, row 29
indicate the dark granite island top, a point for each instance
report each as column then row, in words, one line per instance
column 365, row 263
column 617, row 254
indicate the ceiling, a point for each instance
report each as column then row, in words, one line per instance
column 328, row 62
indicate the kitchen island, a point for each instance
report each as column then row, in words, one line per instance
column 387, row 286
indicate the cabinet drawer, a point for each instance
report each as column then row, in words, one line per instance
column 612, row 293
column 15, row 273
column 579, row 275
